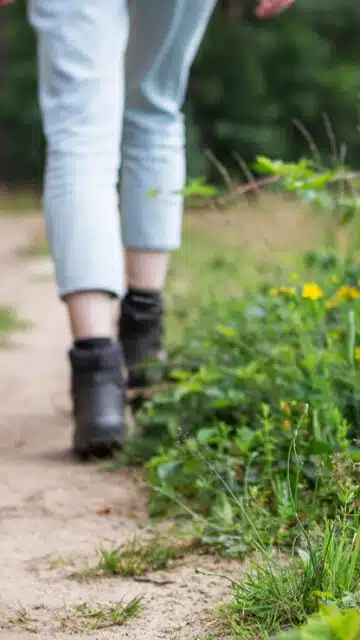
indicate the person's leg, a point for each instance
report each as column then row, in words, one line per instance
column 164, row 39
column 81, row 50
column 146, row 270
column 90, row 315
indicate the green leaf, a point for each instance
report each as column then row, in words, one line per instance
column 329, row 624
column 223, row 512
column 164, row 471
column 198, row 187
column 204, row 436
column 265, row 165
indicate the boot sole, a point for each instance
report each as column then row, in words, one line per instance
column 100, row 450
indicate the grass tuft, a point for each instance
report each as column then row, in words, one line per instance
column 136, row 558
column 21, row 620
column 85, row 618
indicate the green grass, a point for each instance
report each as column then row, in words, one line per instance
column 85, row 617
column 81, row 618
column 281, row 591
column 9, row 322
column 22, row 619
column 136, row 558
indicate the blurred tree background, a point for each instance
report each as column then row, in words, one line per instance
column 252, row 81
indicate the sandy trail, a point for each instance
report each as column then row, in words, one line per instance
column 50, row 505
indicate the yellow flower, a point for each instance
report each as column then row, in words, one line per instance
column 357, row 353
column 312, row 291
column 287, row 424
column 282, row 291
column 344, row 293
column 348, row 293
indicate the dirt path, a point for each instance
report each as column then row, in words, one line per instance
column 51, row 507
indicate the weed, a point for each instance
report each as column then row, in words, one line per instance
column 135, row 558
column 324, row 567
column 56, row 563
column 273, row 598
column 23, row 620
column 84, row 617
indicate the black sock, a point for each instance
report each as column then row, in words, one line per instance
column 144, row 299
column 92, row 343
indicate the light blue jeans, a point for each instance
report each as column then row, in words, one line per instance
column 112, row 78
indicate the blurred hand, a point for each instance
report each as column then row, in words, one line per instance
column 268, row 8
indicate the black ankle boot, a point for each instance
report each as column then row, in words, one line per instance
column 141, row 331
column 98, row 399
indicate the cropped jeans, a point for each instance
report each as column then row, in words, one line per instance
column 112, row 76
